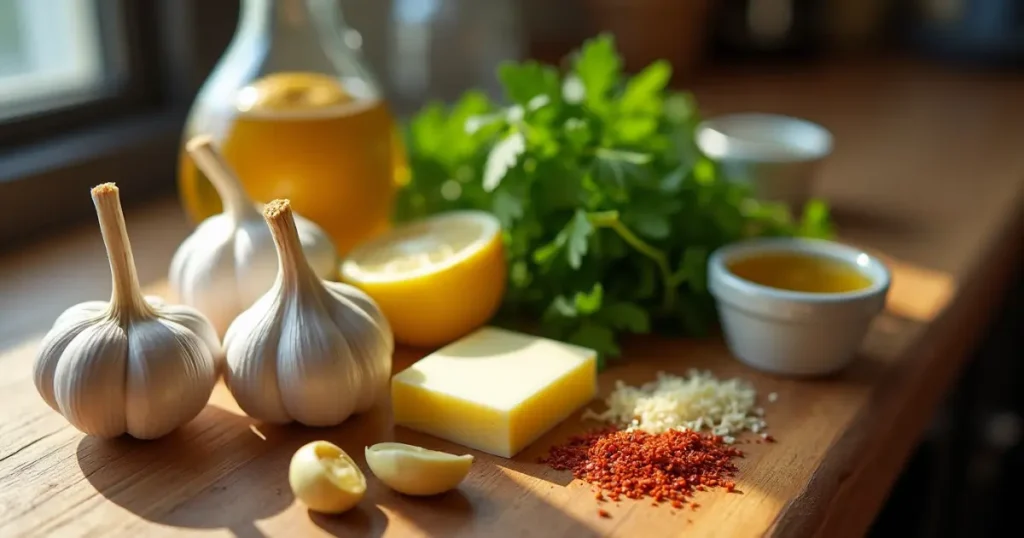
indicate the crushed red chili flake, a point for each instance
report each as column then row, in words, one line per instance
column 603, row 513
column 668, row 466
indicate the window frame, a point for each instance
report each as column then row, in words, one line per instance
column 122, row 44
column 49, row 159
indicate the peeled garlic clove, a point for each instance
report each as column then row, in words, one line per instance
column 230, row 260
column 325, row 478
column 133, row 365
column 415, row 470
column 308, row 351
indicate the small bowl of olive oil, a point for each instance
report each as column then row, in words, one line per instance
column 796, row 306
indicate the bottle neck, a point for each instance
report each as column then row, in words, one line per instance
column 293, row 32
column 289, row 15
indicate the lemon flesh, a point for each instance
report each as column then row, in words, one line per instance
column 325, row 478
column 414, row 470
column 437, row 279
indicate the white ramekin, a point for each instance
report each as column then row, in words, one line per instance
column 789, row 332
column 777, row 155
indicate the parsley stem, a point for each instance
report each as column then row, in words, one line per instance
column 610, row 219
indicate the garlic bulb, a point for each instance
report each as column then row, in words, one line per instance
column 132, row 365
column 309, row 351
column 229, row 261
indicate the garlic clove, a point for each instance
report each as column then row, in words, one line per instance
column 171, row 373
column 190, row 318
column 318, row 248
column 366, row 304
column 312, row 388
column 68, row 325
column 194, row 321
column 251, row 348
column 203, row 272
column 415, row 470
column 325, row 478
column 89, row 382
column 366, row 338
column 50, row 350
column 256, row 261
column 81, row 311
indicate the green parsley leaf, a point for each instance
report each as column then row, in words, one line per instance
column 502, row 158
column 524, row 82
column 609, row 210
column 507, row 208
column 561, row 308
column 598, row 337
column 626, row 316
column 587, row 303
column 815, row 222
column 598, row 68
column 578, row 235
column 650, row 225
column 643, row 93
column 573, row 239
column 693, row 269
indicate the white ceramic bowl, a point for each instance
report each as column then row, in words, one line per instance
column 789, row 332
column 777, row 155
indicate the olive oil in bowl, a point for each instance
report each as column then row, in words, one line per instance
column 795, row 306
column 797, row 271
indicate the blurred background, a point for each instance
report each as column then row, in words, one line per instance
column 99, row 90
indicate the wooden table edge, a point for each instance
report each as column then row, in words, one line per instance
column 855, row 471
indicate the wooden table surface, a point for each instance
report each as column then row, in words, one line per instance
column 928, row 170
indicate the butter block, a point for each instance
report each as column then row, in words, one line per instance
column 494, row 390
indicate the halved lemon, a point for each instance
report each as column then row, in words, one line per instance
column 325, row 478
column 414, row 470
column 437, row 279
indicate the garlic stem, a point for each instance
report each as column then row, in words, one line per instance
column 223, row 177
column 126, row 298
column 293, row 264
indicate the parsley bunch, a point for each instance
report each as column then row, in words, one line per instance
column 608, row 208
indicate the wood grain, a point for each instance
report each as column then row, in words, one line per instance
column 927, row 171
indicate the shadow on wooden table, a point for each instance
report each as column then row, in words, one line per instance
column 363, row 520
column 185, row 479
column 489, row 502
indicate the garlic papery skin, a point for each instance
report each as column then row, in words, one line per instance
column 132, row 365
column 229, row 261
column 309, row 350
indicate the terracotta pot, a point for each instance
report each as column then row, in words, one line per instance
column 649, row 30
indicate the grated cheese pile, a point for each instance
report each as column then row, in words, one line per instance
column 696, row 402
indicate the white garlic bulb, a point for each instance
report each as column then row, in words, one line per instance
column 134, row 365
column 308, row 351
column 229, row 261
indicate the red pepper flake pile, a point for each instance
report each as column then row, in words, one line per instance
column 667, row 467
